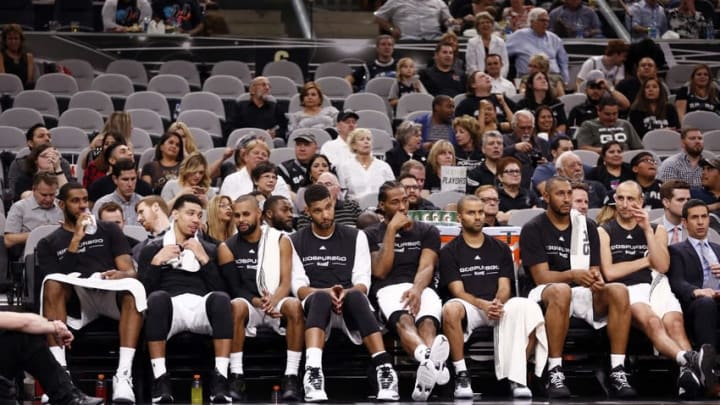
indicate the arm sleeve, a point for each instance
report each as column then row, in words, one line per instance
column 473, row 57
column 361, row 267
column 386, row 11
column 562, row 61
column 394, row 91
column 584, row 135
column 502, row 51
column 13, row 223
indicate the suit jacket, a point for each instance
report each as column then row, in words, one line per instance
column 686, row 272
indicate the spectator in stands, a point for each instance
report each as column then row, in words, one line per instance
column 524, row 145
column 441, row 154
column 365, row 173
column 193, row 178
column 42, row 159
column 185, row 293
column 644, row 166
column 99, row 166
column 538, row 92
column 183, row 16
column 580, row 198
column 414, row 20
column 606, row 127
column 685, row 165
column 264, row 177
column 125, row 15
column 31, row 212
column 545, row 123
column 569, row 166
column 256, row 303
column 596, row 87
column 646, row 19
column 441, row 78
column 404, row 254
column 113, row 212
column 479, row 87
column 573, row 19
column 701, row 94
column 152, row 213
column 413, row 189
column 247, row 157
column 278, row 213
column 512, row 195
column 527, row 42
column 407, row 81
column 674, row 194
column 709, row 193
column 458, row 58
column 338, row 148
column 408, row 146
column 104, row 185
column 220, row 224
column 104, row 254
column 118, row 123
column 540, row 63
column 611, row 63
column 294, row 171
column 545, row 244
column 490, row 198
column 183, row 130
column 487, row 118
column 645, row 249
column 317, row 165
column 341, row 297
column 542, row 172
column 312, row 113
column 14, row 58
column 468, row 9
column 24, row 348
column 692, row 275
column 467, row 138
column 651, row 109
column 516, row 15
column 124, row 175
column 475, row 53
column 492, row 148
column 35, row 136
column 346, row 210
column 610, row 169
column 494, row 66
column 169, row 154
column 630, row 86
column 686, row 21
column 437, row 125
column 382, row 66
column 259, row 110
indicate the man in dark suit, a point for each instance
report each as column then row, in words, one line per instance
column 695, row 274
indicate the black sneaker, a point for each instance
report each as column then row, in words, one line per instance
column 707, row 362
column 555, row 385
column 290, row 387
column 236, row 387
column 688, row 383
column 80, row 398
column 619, row 386
column 162, row 390
column 463, row 385
column 219, row 389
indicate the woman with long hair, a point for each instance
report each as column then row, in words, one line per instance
column 700, row 95
column 193, row 178
column 651, row 109
column 220, row 224
column 467, row 139
column 120, row 124
column 540, row 63
column 169, row 153
column 545, row 122
column 441, row 154
column 43, row 158
column 14, row 59
column 183, row 130
column 610, row 169
column 312, row 114
column 538, row 92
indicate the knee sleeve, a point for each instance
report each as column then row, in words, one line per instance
column 357, row 312
column 219, row 313
column 158, row 316
column 434, row 320
column 318, row 308
column 393, row 319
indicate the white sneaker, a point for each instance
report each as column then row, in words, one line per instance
column 387, row 383
column 314, row 385
column 425, row 379
column 439, row 352
column 520, row 391
column 123, row 388
column 443, row 376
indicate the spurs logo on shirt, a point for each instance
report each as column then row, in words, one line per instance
column 84, row 246
column 612, row 134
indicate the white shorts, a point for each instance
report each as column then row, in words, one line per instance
column 640, row 293
column 474, row 316
column 189, row 315
column 94, row 304
column 256, row 318
column 388, row 299
column 581, row 304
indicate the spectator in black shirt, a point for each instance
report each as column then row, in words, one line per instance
column 441, row 78
column 261, row 111
column 294, row 171
column 382, row 66
column 512, row 195
column 479, row 87
column 185, row 15
column 409, row 146
column 413, row 189
column 644, row 165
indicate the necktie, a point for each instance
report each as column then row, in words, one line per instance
column 675, row 235
column 709, row 280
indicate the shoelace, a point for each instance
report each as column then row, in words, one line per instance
column 314, row 379
column 557, row 378
column 385, row 376
column 620, row 378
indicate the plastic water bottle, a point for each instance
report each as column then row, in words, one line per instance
column 90, row 225
column 652, row 31
column 196, row 394
column 579, row 29
column 709, row 30
column 275, row 395
column 177, row 111
column 145, row 24
column 100, row 390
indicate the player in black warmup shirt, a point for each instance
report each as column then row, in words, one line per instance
column 404, row 255
column 252, row 307
column 629, row 247
column 545, row 249
column 332, row 279
column 477, row 271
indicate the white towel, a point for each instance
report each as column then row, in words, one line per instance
column 579, row 242
column 268, row 261
column 521, row 318
column 187, row 260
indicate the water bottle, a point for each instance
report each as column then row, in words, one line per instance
column 90, row 224
column 196, row 394
column 652, row 31
column 710, row 30
column 275, row 395
column 508, row 28
column 579, row 29
column 177, row 111
column 145, row 24
column 100, row 391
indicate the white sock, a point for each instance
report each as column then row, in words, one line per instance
column 617, row 360
column 554, row 362
column 158, row 366
column 59, row 353
column 127, row 354
column 293, row 362
column 221, row 364
column 236, row 363
column 680, row 358
column 420, row 353
column 459, row 366
column 313, row 357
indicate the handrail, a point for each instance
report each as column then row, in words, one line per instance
column 303, row 20
column 612, row 19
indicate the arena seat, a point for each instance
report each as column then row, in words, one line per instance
column 225, row 86
column 412, row 102
column 115, row 85
column 203, row 100
column 279, row 155
column 285, row 68
column 81, row 70
column 374, row 119
column 140, row 140
column 133, row 69
column 86, row 119
column 94, row 100
column 149, row 100
column 332, row 69
column 147, row 120
column 21, row 118
column 70, row 141
column 233, row 68
column 703, row 120
column 365, row 101
column 186, row 69
column 12, row 139
column 202, row 119
column 42, row 101
column 202, row 138
column 255, row 133
column 60, row 85
column 663, row 142
column 10, row 84
column 380, row 86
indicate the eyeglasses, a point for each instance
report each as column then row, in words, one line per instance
column 648, row 160
column 490, row 200
column 512, row 171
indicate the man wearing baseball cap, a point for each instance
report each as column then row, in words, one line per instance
column 293, row 170
column 338, row 150
column 710, row 190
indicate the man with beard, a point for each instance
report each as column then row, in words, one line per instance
column 558, row 145
column 152, row 214
column 260, row 111
column 492, row 148
column 98, row 256
column 278, row 213
column 404, row 254
column 437, row 125
column 644, row 165
column 185, row 294
column 674, row 195
column 593, row 134
column 573, row 286
column 332, row 281
column 250, row 261
column 441, row 78
column 415, row 200
column 685, row 165
column 629, row 248
column 709, row 193
column 570, row 167
column 525, row 146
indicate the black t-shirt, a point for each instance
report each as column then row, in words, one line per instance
column 469, row 106
column 241, row 274
column 249, row 115
column 626, row 246
column 374, row 69
column 581, row 113
column 652, row 196
column 437, row 82
column 478, row 268
column 330, row 261
column 183, row 13
column 610, row 181
column 542, row 242
column 470, row 159
column 526, row 198
column 477, row 177
column 644, row 122
column 127, row 14
column 696, row 103
column 293, row 173
column 408, row 248
column 160, row 174
column 104, row 186
column 557, row 107
column 96, row 252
